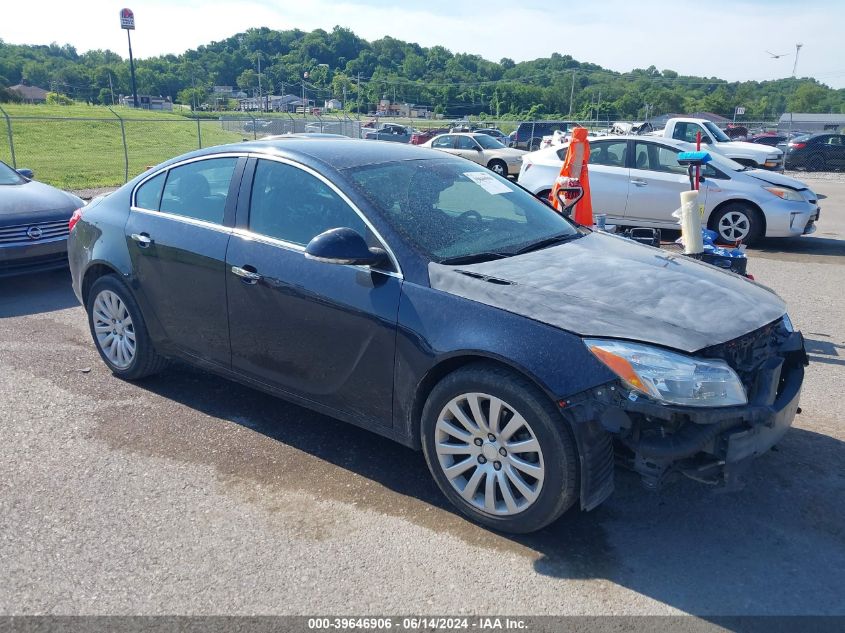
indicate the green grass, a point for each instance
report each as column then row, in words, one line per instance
column 79, row 147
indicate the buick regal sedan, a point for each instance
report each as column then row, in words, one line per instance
column 420, row 296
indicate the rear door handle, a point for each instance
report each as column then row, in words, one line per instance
column 639, row 183
column 143, row 239
column 248, row 276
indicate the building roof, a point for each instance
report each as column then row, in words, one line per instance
column 812, row 118
column 30, row 93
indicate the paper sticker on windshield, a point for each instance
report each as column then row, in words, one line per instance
column 487, row 181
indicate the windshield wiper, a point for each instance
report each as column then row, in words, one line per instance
column 549, row 241
column 474, row 258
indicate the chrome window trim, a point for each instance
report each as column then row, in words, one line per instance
column 279, row 242
column 184, row 219
column 187, row 161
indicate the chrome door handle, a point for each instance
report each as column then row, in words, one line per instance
column 143, row 239
column 247, row 275
column 639, row 183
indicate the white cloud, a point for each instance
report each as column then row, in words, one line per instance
column 722, row 39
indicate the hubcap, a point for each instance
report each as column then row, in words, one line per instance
column 734, row 226
column 502, row 474
column 498, row 169
column 114, row 329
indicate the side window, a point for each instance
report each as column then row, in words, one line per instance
column 657, row 158
column 686, row 132
column 610, row 153
column 442, row 142
column 465, row 142
column 198, row 190
column 290, row 204
column 148, row 195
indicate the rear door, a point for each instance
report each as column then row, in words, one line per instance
column 445, row 143
column 178, row 231
column 657, row 180
column 609, row 176
column 322, row 332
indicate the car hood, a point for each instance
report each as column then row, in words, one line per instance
column 774, row 178
column 35, row 201
column 607, row 286
column 748, row 147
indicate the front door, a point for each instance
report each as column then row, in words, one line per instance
column 177, row 237
column 323, row 332
column 466, row 147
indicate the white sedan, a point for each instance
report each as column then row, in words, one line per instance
column 481, row 149
column 637, row 181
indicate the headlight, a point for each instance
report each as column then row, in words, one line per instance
column 786, row 194
column 670, row 377
column 787, row 323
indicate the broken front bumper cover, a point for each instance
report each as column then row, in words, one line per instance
column 712, row 445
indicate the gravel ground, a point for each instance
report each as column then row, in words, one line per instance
column 187, row 494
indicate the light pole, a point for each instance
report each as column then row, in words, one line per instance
column 304, row 105
column 795, row 65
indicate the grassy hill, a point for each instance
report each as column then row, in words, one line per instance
column 80, row 146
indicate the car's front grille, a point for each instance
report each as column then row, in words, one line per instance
column 22, row 234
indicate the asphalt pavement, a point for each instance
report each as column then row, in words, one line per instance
column 188, row 494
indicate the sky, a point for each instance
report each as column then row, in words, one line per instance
column 724, row 39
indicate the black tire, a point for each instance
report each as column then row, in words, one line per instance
column 733, row 212
column 559, row 488
column 498, row 167
column 534, row 144
column 145, row 361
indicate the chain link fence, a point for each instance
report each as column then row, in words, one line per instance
column 108, row 150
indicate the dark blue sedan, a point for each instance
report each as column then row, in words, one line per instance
column 424, row 298
column 33, row 223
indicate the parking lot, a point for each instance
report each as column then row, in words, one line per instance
column 188, row 494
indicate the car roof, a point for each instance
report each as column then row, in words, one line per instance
column 336, row 152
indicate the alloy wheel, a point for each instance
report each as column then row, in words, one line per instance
column 734, row 226
column 498, row 168
column 114, row 329
column 489, row 453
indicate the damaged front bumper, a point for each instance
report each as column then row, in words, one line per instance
column 711, row 445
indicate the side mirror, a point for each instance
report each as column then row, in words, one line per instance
column 343, row 246
column 26, row 173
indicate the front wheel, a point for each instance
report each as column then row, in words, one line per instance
column 737, row 222
column 499, row 449
column 498, row 167
column 119, row 331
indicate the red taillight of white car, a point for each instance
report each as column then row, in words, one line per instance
column 77, row 215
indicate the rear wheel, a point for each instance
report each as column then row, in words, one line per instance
column 498, row 167
column 119, row 331
column 534, row 144
column 737, row 222
column 499, row 449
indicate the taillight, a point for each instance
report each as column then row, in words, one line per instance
column 74, row 219
column 798, row 145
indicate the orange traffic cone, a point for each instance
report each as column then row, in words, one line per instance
column 575, row 167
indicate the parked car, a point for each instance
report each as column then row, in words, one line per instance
column 426, row 299
column 772, row 140
column 481, row 149
column 423, row 136
column 495, row 133
column 33, row 223
column 529, row 135
column 390, row 132
column 637, row 181
column 815, row 152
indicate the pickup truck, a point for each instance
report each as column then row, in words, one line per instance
column 712, row 138
column 389, row 132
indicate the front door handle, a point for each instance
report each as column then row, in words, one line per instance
column 248, row 276
column 639, row 183
column 143, row 239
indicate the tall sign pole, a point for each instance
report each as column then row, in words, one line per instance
column 127, row 22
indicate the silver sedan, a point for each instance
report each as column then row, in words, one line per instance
column 481, row 149
column 637, row 181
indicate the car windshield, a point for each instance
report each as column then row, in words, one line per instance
column 451, row 209
column 720, row 136
column 9, row 176
column 488, row 142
